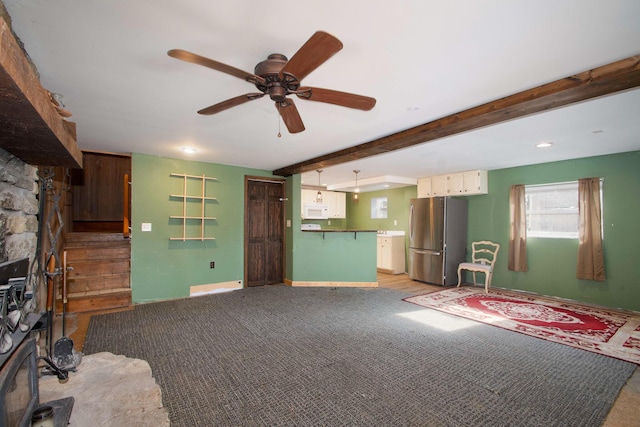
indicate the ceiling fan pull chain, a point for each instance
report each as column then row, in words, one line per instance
column 279, row 134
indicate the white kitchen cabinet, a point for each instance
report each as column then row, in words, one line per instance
column 336, row 202
column 390, row 254
column 424, row 187
column 455, row 184
column 475, row 182
column 439, row 185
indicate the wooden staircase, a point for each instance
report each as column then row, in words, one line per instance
column 100, row 274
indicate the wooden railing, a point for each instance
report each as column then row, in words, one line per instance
column 126, row 223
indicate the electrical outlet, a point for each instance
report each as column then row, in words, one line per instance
column 212, row 264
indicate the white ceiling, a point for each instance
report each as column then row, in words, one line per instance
column 422, row 60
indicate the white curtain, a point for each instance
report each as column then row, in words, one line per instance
column 590, row 253
column 517, row 229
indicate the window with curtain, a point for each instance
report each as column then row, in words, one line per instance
column 562, row 210
column 552, row 210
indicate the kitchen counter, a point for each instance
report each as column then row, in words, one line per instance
column 342, row 230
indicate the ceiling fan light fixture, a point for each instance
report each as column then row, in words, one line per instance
column 545, row 144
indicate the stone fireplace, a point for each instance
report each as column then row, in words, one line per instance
column 18, row 208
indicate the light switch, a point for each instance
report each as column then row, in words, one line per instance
column 288, row 223
column 146, row 226
column 395, row 222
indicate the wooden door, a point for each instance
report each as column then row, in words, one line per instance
column 264, row 231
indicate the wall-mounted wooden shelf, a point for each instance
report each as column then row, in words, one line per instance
column 202, row 198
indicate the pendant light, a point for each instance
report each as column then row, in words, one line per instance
column 319, row 194
column 356, row 190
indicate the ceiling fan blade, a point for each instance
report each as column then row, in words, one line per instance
column 232, row 102
column 290, row 115
column 320, row 47
column 218, row 66
column 335, row 97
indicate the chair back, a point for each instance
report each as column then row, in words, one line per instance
column 485, row 252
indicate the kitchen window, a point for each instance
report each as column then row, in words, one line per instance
column 378, row 207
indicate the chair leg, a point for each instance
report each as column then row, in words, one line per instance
column 475, row 283
column 459, row 277
column 487, row 284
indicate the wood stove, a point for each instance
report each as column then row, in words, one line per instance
column 19, row 394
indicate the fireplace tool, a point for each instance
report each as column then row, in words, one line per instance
column 6, row 340
column 64, row 354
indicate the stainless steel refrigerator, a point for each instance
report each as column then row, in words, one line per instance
column 437, row 239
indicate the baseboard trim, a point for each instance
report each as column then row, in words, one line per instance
column 213, row 288
column 299, row 283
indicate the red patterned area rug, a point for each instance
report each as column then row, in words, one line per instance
column 608, row 332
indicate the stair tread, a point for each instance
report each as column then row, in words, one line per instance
column 98, row 292
column 88, row 236
column 107, row 275
column 97, row 261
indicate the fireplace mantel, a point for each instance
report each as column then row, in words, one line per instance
column 30, row 127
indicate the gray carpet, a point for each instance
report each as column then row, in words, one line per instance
column 282, row 356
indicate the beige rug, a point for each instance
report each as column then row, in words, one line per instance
column 109, row 390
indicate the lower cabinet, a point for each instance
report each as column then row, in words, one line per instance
column 391, row 254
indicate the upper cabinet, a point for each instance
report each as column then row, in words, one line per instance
column 475, row 182
column 456, row 184
column 424, row 187
column 336, row 204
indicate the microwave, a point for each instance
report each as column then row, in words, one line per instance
column 312, row 211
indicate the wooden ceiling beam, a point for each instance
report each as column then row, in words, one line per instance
column 30, row 127
column 601, row 81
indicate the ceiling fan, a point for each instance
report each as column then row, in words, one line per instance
column 279, row 77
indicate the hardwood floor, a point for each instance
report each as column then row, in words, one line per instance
column 401, row 282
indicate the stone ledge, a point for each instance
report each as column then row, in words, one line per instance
column 110, row 390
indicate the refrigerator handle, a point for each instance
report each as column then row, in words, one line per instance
column 411, row 223
column 426, row 252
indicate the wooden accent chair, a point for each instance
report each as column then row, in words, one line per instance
column 483, row 259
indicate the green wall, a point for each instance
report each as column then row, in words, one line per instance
column 332, row 257
column 165, row 269
column 552, row 262
column 359, row 213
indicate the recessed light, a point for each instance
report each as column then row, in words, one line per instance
column 544, row 144
column 189, row 150
column 598, row 131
